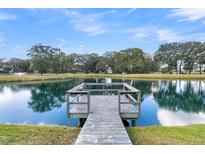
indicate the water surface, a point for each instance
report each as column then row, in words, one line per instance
column 167, row 103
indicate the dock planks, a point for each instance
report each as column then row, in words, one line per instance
column 103, row 124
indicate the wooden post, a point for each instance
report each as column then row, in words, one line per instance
column 123, row 87
column 88, row 97
column 133, row 123
column 77, row 98
column 68, row 104
column 139, row 104
column 119, row 108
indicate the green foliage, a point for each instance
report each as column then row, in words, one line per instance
column 45, row 58
column 170, row 57
column 167, row 55
column 133, row 60
column 91, row 61
column 40, row 57
column 102, row 65
column 15, row 65
column 190, row 55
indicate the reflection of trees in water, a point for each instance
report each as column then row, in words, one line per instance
column 47, row 96
column 1, row 88
column 188, row 99
column 143, row 86
column 172, row 95
column 15, row 87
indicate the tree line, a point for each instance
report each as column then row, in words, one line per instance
column 170, row 57
column 181, row 57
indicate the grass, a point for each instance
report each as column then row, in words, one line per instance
column 26, row 134
column 192, row 134
column 149, row 135
column 38, row 77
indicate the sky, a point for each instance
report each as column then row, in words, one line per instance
column 97, row 30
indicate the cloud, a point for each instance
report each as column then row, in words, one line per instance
column 17, row 47
column 141, row 34
column 62, row 42
column 168, row 35
column 130, row 11
column 82, row 46
column 7, row 96
column 6, row 16
column 188, row 14
column 88, row 23
column 148, row 34
column 179, row 118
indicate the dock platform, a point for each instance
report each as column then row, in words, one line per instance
column 104, row 114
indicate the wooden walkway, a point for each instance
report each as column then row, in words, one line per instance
column 103, row 124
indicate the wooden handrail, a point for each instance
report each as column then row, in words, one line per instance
column 78, row 90
column 130, row 87
column 96, row 84
column 83, row 89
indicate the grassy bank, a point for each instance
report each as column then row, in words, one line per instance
column 37, row 77
column 23, row 134
column 193, row 134
column 26, row 134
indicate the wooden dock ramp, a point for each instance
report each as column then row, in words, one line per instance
column 104, row 121
column 103, row 125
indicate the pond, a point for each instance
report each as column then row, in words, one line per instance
column 166, row 103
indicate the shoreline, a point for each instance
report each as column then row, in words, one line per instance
column 52, row 77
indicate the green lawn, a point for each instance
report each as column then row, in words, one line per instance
column 193, row 134
column 38, row 77
column 26, row 134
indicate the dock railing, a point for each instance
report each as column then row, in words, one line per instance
column 77, row 92
column 130, row 92
column 86, row 88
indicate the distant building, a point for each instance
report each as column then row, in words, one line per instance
column 109, row 71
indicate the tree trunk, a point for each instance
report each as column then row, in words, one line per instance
column 200, row 68
column 180, row 68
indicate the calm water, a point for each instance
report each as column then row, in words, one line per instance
column 167, row 103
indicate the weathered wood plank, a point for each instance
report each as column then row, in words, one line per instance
column 103, row 125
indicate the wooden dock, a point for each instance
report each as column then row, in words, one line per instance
column 104, row 121
column 103, row 125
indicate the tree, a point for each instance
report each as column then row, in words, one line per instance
column 109, row 58
column 190, row 52
column 132, row 60
column 17, row 65
column 149, row 65
column 40, row 57
column 76, row 62
column 120, row 62
column 102, row 65
column 168, row 55
column 91, row 61
column 200, row 59
column 56, row 59
column 1, row 65
column 46, row 58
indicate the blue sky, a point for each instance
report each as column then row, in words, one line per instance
column 97, row 30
